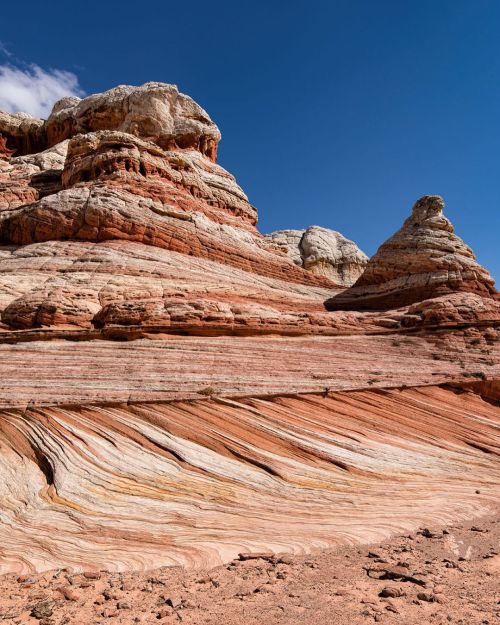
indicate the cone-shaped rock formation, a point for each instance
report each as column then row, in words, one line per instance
column 423, row 260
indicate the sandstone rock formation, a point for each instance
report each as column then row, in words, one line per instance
column 137, row 485
column 324, row 252
column 22, row 133
column 172, row 389
column 155, row 111
column 424, row 259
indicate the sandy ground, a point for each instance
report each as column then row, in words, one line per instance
column 431, row 576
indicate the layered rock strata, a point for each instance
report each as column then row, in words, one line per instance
column 424, row 259
column 196, row 483
column 166, row 368
column 324, row 252
column 233, row 404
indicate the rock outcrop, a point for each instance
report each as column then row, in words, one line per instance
column 424, row 259
column 25, row 179
column 136, row 485
column 136, row 164
column 324, row 252
column 156, row 112
column 172, row 389
column 22, row 133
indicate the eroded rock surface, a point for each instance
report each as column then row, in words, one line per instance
column 195, row 483
column 324, row 252
column 22, row 133
column 155, row 111
column 424, row 259
column 172, row 388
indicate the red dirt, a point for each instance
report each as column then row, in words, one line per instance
column 435, row 576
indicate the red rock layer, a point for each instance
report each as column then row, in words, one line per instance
column 5, row 153
column 165, row 367
column 423, row 260
column 195, row 483
column 126, row 228
column 175, row 178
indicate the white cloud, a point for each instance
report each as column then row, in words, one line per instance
column 34, row 90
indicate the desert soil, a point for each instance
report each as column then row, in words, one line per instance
column 435, row 575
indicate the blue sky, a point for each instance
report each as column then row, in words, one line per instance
column 338, row 113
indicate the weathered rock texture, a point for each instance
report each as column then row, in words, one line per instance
column 424, row 259
column 195, row 483
column 234, row 404
column 324, row 252
column 22, row 133
column 162, row 368
column 156, row 112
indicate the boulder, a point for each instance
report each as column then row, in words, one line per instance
column 324, row 252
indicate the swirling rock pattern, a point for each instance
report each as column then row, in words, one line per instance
column 194, row 483
column 234, row 413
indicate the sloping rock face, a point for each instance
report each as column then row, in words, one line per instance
column 172, row 389
column 195, row 483
column 424, row 259
column 324, row 252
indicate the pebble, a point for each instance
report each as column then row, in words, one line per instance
column 110, row 595
column 69, row 594
column 264, row 555
column 126, row 586
column 173, row 600
column 391, row 591
column 427, row 533
column 42, row 610
column 123, row 605
column 426, row 596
